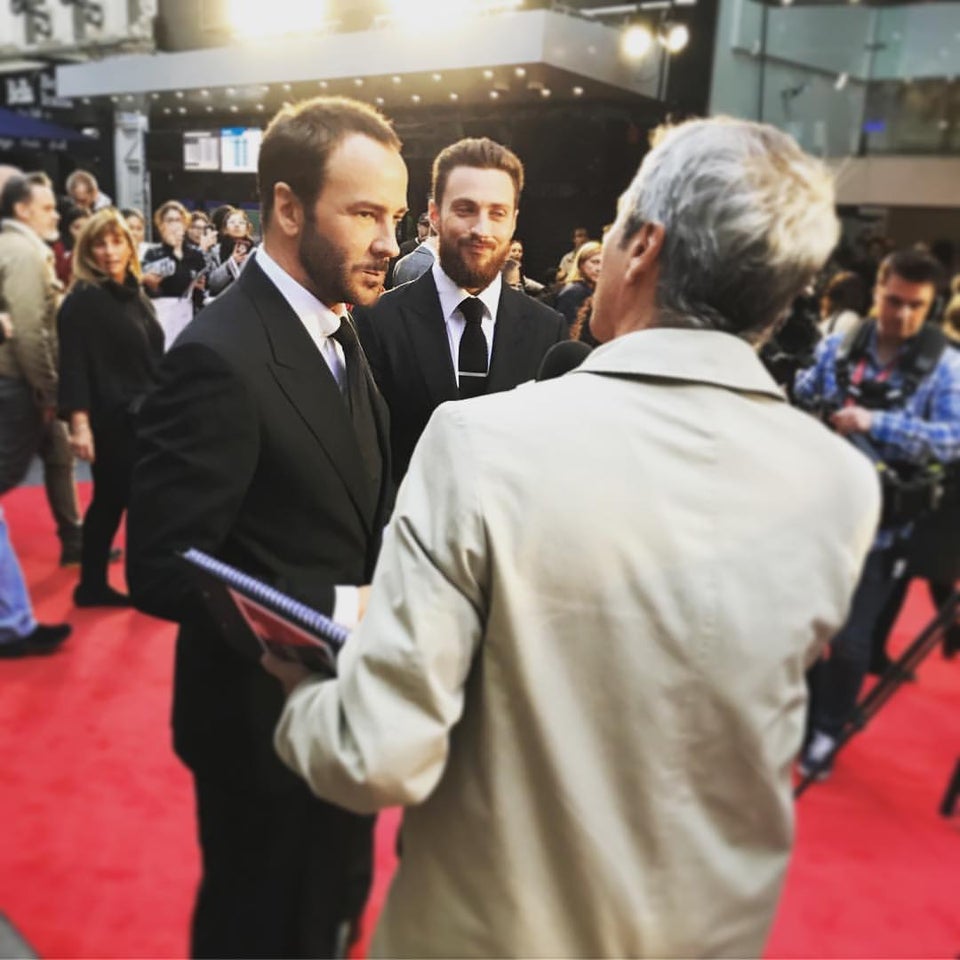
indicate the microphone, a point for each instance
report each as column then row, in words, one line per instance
column 561, row 358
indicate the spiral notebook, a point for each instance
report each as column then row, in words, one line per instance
column 276, row 622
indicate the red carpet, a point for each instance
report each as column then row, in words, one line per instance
column 98, row 856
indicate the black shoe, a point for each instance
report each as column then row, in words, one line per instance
column 104, row 596
column 70, row 555
column 45, row 638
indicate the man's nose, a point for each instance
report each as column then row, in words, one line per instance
column 386, row 242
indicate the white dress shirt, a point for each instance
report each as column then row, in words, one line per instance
column 451, row 296
column 320, row 323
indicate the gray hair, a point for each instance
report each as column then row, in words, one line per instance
column 748, row 219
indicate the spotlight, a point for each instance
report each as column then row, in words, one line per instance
column 233, row 108
column 415, row 98
column 153, row 96
column 165, row 109
column 181, row 110
column 322, row 84
column 636, row 42
column 259, row 108
column 358, row 82
column 545, row 92
column 487, row 74
column 287, row 87
column 494, row 94
column 179, row 94
column 674, row 36
column 208, row 108
column 204, row 93
column 578, row 91
column 379, row 101
column 397, row 80
column 437, row 77
column 520, row 72
column 454, row 97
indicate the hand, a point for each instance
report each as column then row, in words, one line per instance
column 6, row 326
column 49, row 414
column 201, row 282
column 852, row 420
column 363, row 598
column 151, row 280
column 288, row 672
column 81, row 443
column 208, row 240
column 239, row 254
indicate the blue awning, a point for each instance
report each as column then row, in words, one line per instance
column 33, row 134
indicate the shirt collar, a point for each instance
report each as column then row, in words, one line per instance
column 451, row 295
column 699, row 356
column 303, row 303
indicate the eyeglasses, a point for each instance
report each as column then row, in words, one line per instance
column 174, row 218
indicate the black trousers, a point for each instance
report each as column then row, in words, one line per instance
column 112, row 468
column 282, row 873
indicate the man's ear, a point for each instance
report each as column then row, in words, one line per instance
column 433, row 212
column 643, row 250
column 288, row 213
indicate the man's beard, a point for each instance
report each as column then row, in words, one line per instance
column 334, row 279
column 469, row 276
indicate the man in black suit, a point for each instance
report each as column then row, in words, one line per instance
column 265, row 444
column 458, row 330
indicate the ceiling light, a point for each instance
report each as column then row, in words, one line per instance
column 437, row 77
column 153, row 96
column 674, row 36
column 231, row 91
column 545, row 92
column 487, row 74
column 416, row 98
column 179, row 94
column 521, row 71
column 379, row 101
column 287, row 87
column 117, row 100
column 397, row 79
column 233, row 108
column 260, row 107
column 165, row 109
column 208, row 108
column 636, row 42
column 358, row 82
column 255, row 20
column 86, row 100
column 181, row 110
column 204, row 93
column 322, row 84
column 454, row 96
column 578, row 91
column 494, row 94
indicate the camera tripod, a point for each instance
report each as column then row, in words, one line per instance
column 898, row 671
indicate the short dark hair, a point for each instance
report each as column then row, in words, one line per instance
column 481, row 153
column 17, row 189
column 914, row 266
column 300, row 138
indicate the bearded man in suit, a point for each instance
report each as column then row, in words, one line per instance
column 591, row 713
column 266, row 445
column 458, row 331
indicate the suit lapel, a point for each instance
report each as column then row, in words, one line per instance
column 428, row 333
column 509, row 342
column 304, row 377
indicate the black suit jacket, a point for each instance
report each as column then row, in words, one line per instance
column 405, row 338
column 245, row 450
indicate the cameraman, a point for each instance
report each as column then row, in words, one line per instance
column 892, row 388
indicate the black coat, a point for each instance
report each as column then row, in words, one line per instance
column 110, row 348
column 186, row 269
column 405, row 338
column 246, row 450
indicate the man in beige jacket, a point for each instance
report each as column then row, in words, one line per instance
column 582, row 663
column 30, row 293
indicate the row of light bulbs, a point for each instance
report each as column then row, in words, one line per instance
column 488, row 74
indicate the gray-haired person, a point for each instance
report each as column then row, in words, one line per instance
column 582, row 664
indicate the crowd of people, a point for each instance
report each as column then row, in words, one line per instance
column 583, row 610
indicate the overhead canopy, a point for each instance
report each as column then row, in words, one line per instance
column 29, row 132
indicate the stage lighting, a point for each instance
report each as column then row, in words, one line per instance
column 674, row 36
column 254, row 19
column 636, row 42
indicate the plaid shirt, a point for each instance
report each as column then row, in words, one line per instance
column 926, row 428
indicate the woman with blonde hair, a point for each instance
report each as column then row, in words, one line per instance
column 110, row 346
column 582, row 281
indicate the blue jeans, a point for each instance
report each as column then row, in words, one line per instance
column 16, row 614
column 835, row 682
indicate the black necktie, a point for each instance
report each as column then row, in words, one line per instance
column 472, row 362
column 359, row 402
